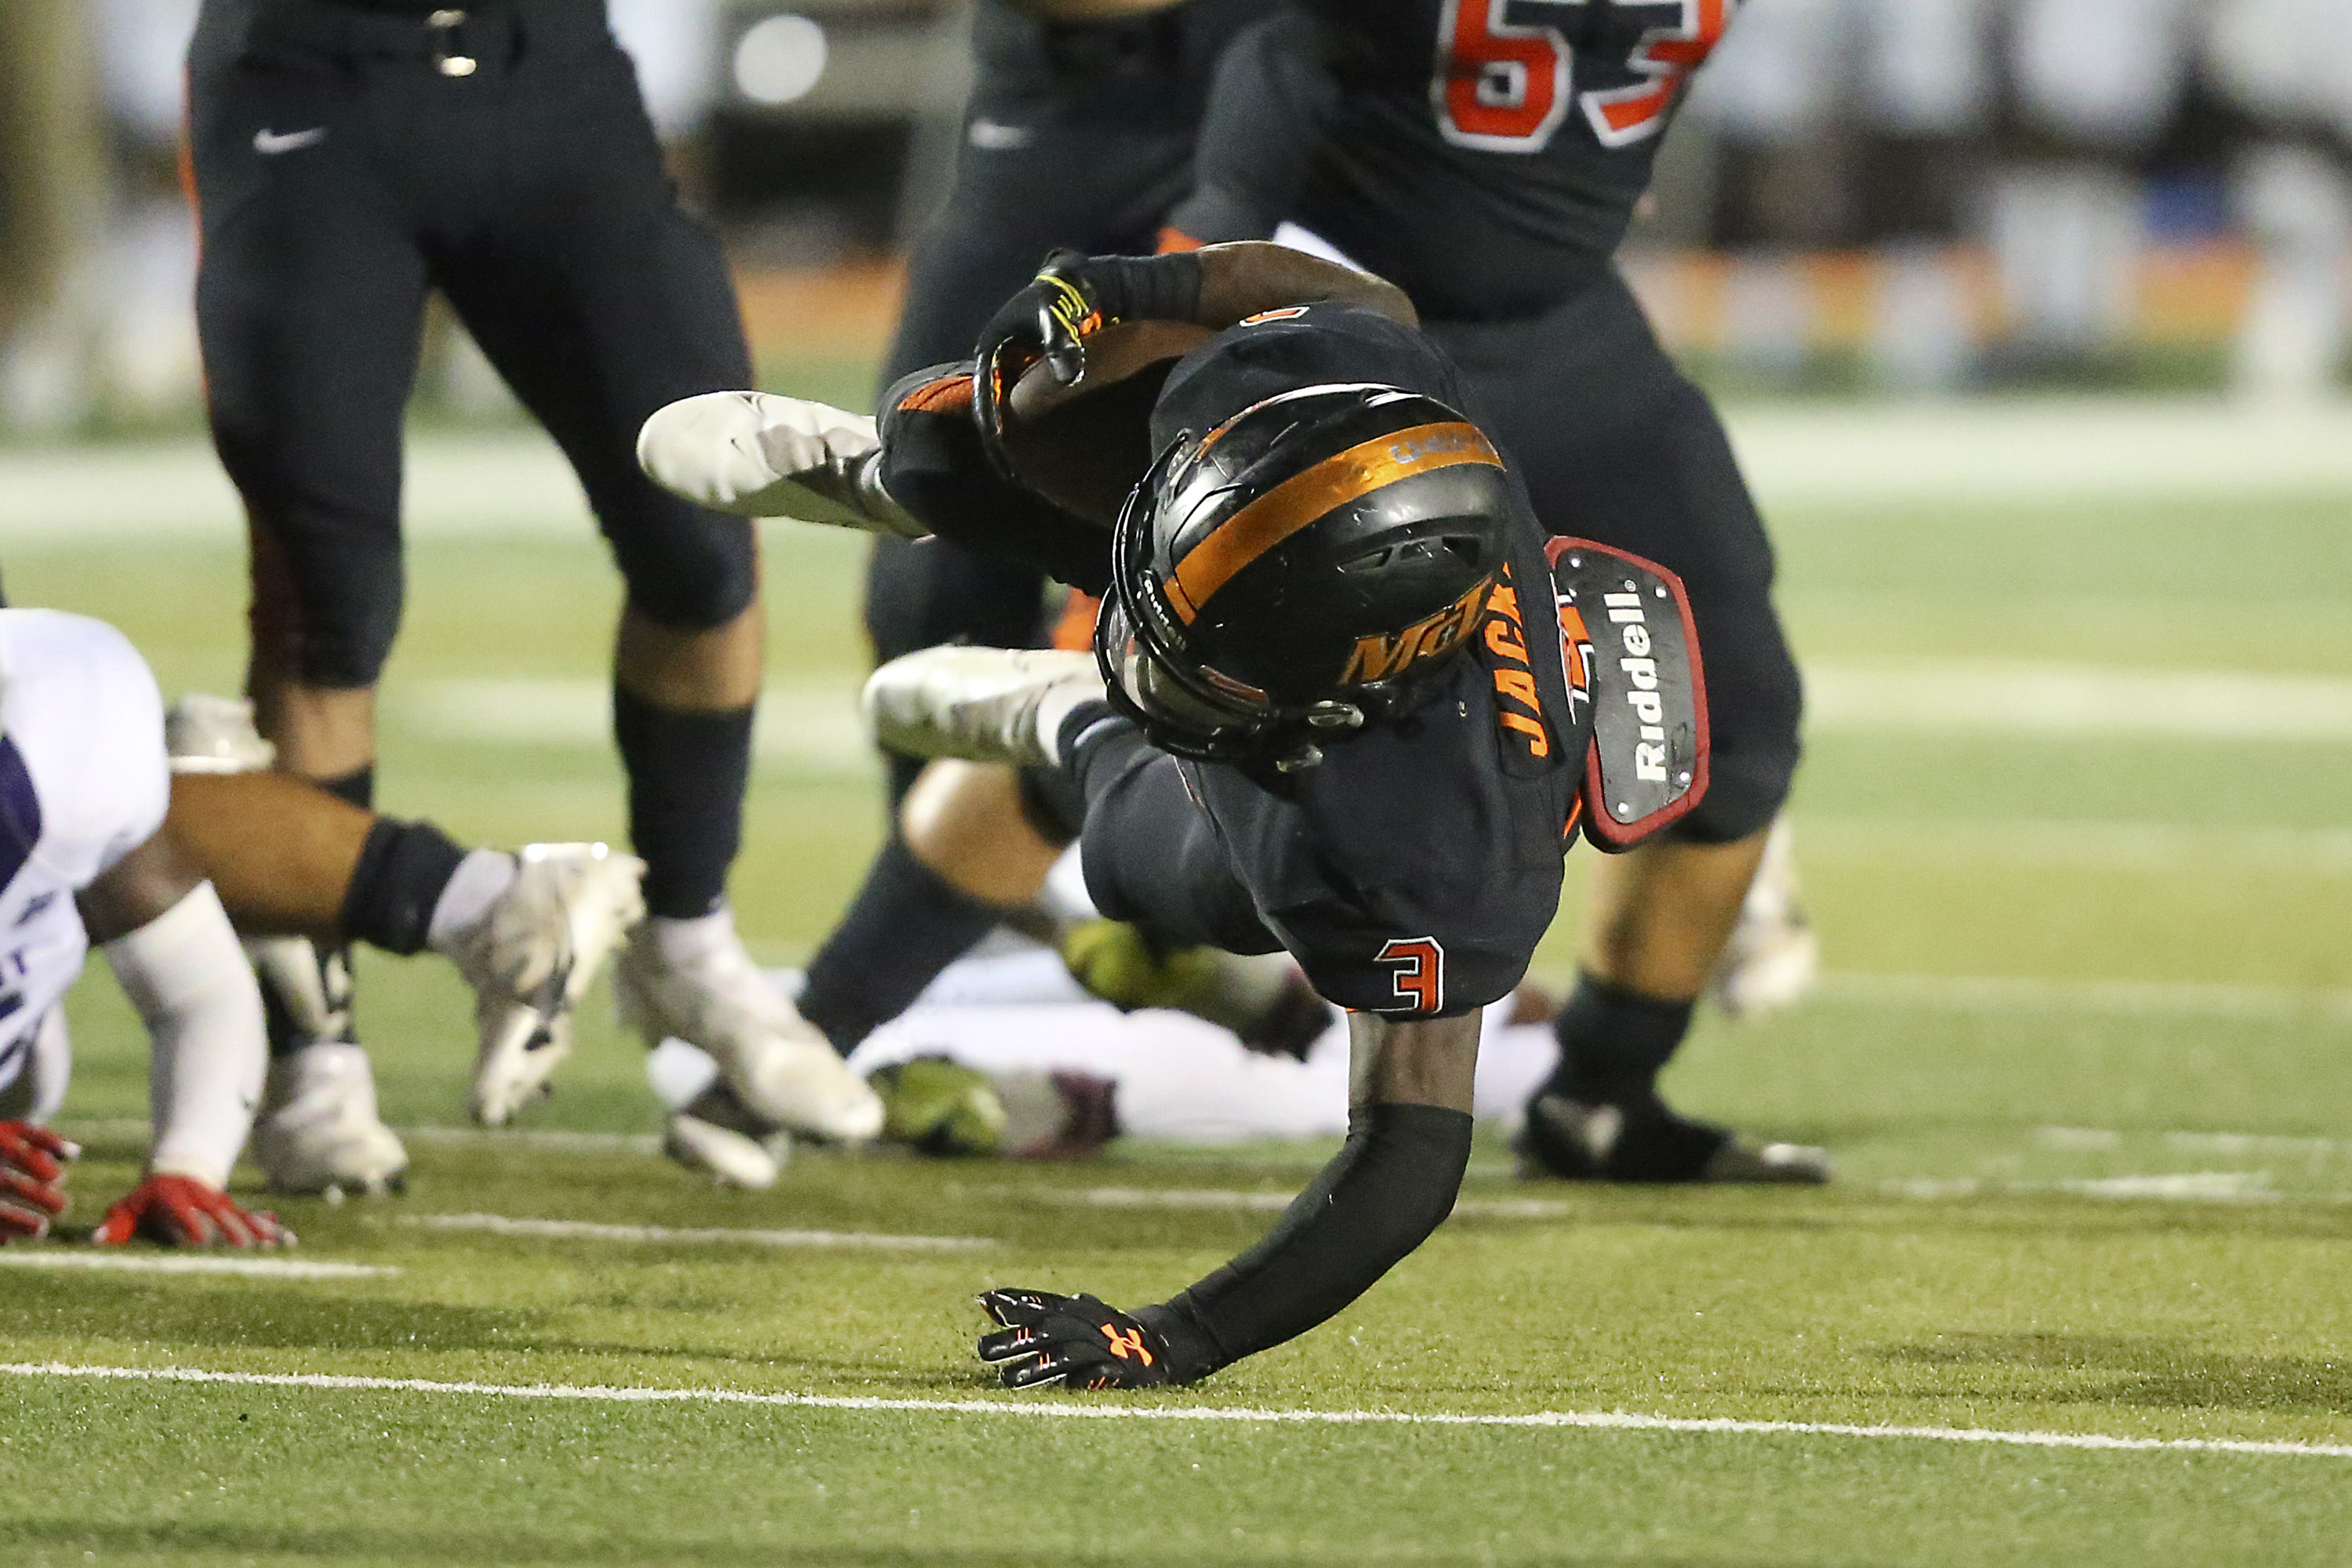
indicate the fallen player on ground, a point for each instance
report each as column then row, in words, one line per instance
column 84, row 857
column 1325, row 726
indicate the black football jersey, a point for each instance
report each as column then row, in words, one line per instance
column 1416, row 869
column 1485, row 155
column 1153, row 69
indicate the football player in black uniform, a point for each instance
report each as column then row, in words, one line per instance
column 1345, row 699
column 1493, row 186
column 1078, row 135
column 348, row 158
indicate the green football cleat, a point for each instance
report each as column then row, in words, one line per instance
column 1262, row 998
column 939, row 1107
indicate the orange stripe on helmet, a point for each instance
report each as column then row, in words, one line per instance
column 1302, row 497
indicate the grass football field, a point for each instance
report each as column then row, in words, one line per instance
column 2075, row 828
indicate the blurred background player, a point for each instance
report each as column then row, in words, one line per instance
column 299, row 868
column 1078, row 133
column 1489, row 167
column 84, row 857
column 347, row 160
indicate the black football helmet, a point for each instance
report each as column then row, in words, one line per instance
column 1302, row 567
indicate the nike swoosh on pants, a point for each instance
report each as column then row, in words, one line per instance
column 269, row 143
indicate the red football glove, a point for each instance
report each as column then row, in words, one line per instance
column 180, row 1211
column 32, row 1178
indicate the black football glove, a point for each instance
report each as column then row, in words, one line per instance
column 1075, row 1341
column 1073, row 297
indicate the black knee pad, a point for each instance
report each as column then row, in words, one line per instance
column 1755, row 700
column 687, row 569
column 326, row 601
column 922, row 593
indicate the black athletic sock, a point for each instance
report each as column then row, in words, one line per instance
column 687, row 772
column 1613, row 1042
column 404, row 869
column 354, row 788
column 905, row 926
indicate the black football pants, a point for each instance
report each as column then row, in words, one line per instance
column 1151, row 852
column 1617, row 446
column 1102, row 188
column 342, row 172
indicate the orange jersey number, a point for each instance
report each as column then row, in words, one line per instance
column 1505, row 71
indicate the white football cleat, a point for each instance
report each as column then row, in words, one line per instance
column 785, row 1072
column 531, row 958
column 758, row 453
column 1772, row 960
column 730, row 1159
column 709, row 1131
column 319, row 1128
column 983, row 704
column 209, row 734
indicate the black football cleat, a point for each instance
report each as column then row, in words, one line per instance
column 1576, row 1140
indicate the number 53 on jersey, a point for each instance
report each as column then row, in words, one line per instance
column 1506, row 76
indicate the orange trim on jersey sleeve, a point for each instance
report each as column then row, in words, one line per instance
column 1173, row 239
column 1302, row 497
column 948, row 394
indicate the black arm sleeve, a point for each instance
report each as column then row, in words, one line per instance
column 1260, row 133
column 1379, row 1197
column 933, row 465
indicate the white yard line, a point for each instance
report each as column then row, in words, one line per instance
column 2091, row 842
column 1615, row 1421
column 2075, row 701
column 2175, row 1186
column 812, row 723
column 2003, row 992
column 554, row 1139
column 584, row 1230
column 180, row 1263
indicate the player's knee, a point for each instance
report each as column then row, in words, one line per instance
column 696, row 572
column 968, row 823
column 326, row 598
column 1755, row 719
column 1744, row 792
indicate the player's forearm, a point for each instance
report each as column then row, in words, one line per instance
column 187, row 978
column 279, row 849
column 1383, row 1193
column 1251, row 276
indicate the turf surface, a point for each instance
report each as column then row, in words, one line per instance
column 2081, row 1057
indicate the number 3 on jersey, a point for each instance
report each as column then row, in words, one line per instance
column 1418, row 980
column 1506, row 73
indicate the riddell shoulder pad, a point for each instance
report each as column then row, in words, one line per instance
column 1626, row 627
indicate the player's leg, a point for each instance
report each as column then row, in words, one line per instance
column 1616, row 446
column 309, row 299
column 527, row 930
column 1152, row 856
column 294, row 863
column 600, row 301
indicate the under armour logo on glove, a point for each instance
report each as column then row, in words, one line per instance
column 1077, row 1341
